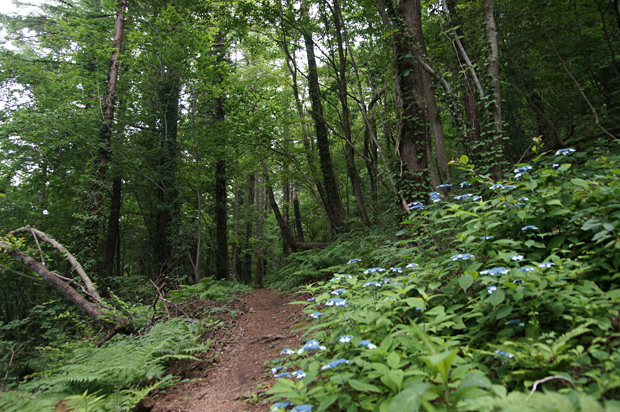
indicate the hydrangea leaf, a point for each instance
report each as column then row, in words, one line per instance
column 466, row 281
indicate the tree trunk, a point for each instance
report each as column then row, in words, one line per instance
column 260, row 234
column 113, row 237
column 247, row 265
column 284, row 228
column 296, row 211
column 342, row 96
column 334, row 207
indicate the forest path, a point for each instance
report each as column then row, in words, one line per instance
column 259, row 335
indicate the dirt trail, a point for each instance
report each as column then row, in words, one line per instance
column 240, row 364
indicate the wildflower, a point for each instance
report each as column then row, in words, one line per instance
column 518, row 176
column 436, row 199
column 398, row 269
column 335, row 364
column 495, row 271
column 517, row 281
column 316, row 315
column 445, row 185
column 523, row 199
column 529, row 227
column 419, row 309
column 385, row 281
column 487, row 237
column 496, row 186
column 390, row 298
column 412, row 265
column 311, row 299
column 346, row 277
column 299, row 374
column 526, row 269
column 463, row 184
column 555, row 165
column 377, row 284
column 345, row 338
column 515, row 257
column 464, row 256
column 354, row 261
column 546, row 265
column 287, row 351
column 414, row 204
column 281, row 405
column 336, row 302
column 515, row 322
column 277, row 369
column 564, row 152
column 508, row 187
column 311, row 345
column 282, row 375
column 302, row 408
column 373, row 270
column 461, row 197
column 522, row 169
column 504, row 354
column 434, row 194
column 338, row 291
column 477, row 198
column 491, row 289
column 367, row 344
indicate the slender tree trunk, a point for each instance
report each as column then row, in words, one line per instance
column 233, row 261
column 297, row 213
column 284, row 228
column 493, row 73
column 286, row 193
column 334, row 207
column 342, row 95
column 260, row 234
column 113, row 237
column 247, row 265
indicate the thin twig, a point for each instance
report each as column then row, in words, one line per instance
column 18, row 273
column 37, row 242
column 549, row 378
column 8, row 368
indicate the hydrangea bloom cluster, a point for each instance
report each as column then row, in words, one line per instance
column 504, row 354
column 516, row 258
column 334, row 364
column 435, row 197
column 546, row 265
column 338, row 291
column 336, row 302
column 529, row 227
column 461, row 197
column 412, row 265
column 373, row 270
column 367, row 344
column 353, row 261
column 416, row 205
column 444, row 186
column 500, row 270
column 462, row 256
column 564, row 152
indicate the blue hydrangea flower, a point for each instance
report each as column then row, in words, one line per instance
column 529, row 227
column 302, row 408
column 463, row 184
column 436, row 199
column 311, row 299
column 445, row 185
column 523, row 199
column 299, row 374
column 555, row 165
column 515, row 322
column 311, row 345
column 385, row 281
column 346, row 277
column 336, row 302
column 518, row 176
column 526, row 269
column 515, row 257
column 523, row 169
column 500, row 270
column 546, row 265
column 477, row 198
column 504, row 354
column 377, row 284
column 287, row 351
column 354, row 261
column 491, row 289
column 281, row 405
column 277, row 369
column 282, row 375
column 488, row 237
column 390, row 298
column 398, row 269
column 564, row 152
column 316, row 315
column 461, row 197
column 367, row 344
column 462, row 256
column 373, row 270
column 334, row 364
column 496, row 186
column 334, row 279
column 338, row 291
column 416, row 205
column 508, row 187
column 345, row 338
column 412, row 265
column 517, row 281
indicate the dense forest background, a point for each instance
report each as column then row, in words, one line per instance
column 167, row 143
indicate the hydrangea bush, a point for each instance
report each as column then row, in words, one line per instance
column 505, row 299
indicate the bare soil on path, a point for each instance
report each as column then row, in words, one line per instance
column 262, row 330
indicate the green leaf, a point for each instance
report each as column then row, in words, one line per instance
column 556, row 242
column 497, row 297
column 579, row 182
column 409, row 398
column 531, row 184
column 393, row 360
column 464, row 159
column 466, row 281
column 363, row 386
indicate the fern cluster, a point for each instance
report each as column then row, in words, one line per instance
column 120, row 373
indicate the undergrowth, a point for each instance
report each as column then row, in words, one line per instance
column 495, row 296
